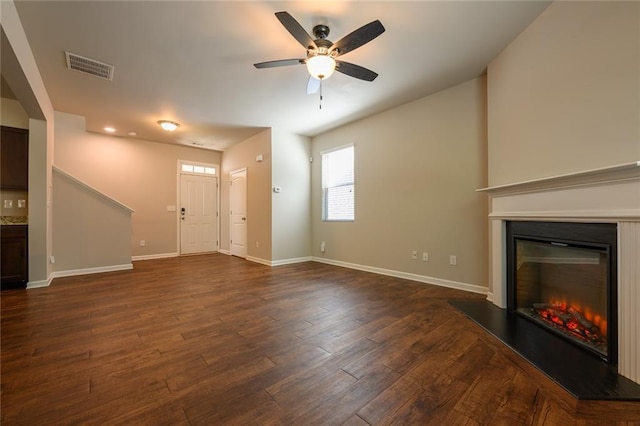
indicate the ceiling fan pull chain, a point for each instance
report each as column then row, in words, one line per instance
column 321, row 93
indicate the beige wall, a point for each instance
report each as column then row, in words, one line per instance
column 240, row 156
column 12, row 114
column 89, row 231
column 137, row 173
column 564, row 96
column 39, row 208
column 291, row 208
column 417, row 167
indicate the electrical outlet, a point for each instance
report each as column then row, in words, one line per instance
column 425, row 256
column 453, row 260
column 414, row 255
column 143, row 243
column 22, row 204
column 8, row 204
column 322, row 247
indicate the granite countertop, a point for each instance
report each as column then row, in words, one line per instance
column 14, row 220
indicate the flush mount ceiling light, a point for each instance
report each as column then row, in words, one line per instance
column 167, row 125
column 109, row 129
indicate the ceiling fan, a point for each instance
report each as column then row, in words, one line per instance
column 322, row 53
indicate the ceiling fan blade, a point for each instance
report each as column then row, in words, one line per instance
column 356, row 71
column 279, row 63
column 295, row 29
column 358, row 37
column 313, row 85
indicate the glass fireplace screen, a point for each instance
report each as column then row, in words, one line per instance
column 564, row 288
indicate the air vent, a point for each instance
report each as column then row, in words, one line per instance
column 89, row 66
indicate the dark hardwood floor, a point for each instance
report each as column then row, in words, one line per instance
column 217, row 340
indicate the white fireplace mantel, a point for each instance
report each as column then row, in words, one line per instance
column 605, row 195
column 611, row 173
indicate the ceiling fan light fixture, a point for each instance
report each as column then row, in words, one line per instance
column 168, row 126
column 321, row 66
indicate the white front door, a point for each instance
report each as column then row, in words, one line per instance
column 238, row 207
column 198, row 214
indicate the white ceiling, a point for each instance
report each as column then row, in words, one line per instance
column 192, row 62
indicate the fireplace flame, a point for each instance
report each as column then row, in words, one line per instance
column 581, row 322
column 586, row 311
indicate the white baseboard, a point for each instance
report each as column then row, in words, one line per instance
column 405, row 275
column 278, row 262
column 258, row 260
column 490, row 296
column 398, row 274
column 40, row 284
column 291, row 261
column 388, row 272
column 227, row 252
column 153, row 256
column 87, row 271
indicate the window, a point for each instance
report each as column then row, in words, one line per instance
column 197, row 169
column 338, row 198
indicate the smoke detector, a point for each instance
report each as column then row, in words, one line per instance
column 89, row 66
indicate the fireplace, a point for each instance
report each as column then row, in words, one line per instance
column 562, row 277
column 605, row 198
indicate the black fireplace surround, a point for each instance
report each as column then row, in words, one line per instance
column 563, row 277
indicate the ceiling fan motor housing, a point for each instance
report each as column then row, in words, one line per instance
column 321, row 31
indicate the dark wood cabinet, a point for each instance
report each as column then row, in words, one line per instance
column 14, row 158
column 14, row 256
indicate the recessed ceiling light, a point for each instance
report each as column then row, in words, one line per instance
column 132, row 134
column 109, row 129
column 167, row 125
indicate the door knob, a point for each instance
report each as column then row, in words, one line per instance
column 244, row 218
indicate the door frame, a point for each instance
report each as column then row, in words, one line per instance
column 179, row 199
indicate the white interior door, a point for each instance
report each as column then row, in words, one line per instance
column 238, row 207
column 198, row 214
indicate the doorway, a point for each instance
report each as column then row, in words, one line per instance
column 198, row 212
column 238, row 212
